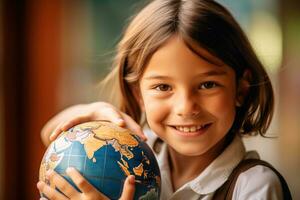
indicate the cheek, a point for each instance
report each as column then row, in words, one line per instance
column 223, row 108
column 156, row 113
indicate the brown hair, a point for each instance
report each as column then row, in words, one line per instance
column 208, row 25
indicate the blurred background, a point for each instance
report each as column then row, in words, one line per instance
column 54, row 52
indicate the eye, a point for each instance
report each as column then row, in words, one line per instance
column 208, row 85
column 163, row 87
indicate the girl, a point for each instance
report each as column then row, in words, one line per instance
column 187, row 68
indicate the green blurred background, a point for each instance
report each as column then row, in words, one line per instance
column 54, row 52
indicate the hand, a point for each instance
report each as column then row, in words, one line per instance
column 88, row 192
column 87, row 112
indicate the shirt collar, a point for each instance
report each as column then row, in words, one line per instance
column 212, row 177
column 219, row 170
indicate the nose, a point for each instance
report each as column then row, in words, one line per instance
column 187, row 105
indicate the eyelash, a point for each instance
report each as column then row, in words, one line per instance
column 209, row 82
column 207, row 85
column 158, row 87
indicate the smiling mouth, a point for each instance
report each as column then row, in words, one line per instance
column 192, row 128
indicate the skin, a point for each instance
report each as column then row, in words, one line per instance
column 87, row 112
column 67, row 119
column 88, row 191
column 188, row 92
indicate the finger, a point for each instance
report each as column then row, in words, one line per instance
column 129, row 188
column 56, row 132
column 135, row 127
column 82, row 183
column 109, row 113
column 77, row 120
column 61, row 183
column 46, row 132
column 79, row 180
column 50, row 192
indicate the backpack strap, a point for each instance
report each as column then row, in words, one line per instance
column 226, row 190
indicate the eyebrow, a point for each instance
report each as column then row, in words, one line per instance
column 204, row 74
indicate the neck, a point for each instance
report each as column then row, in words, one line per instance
column 186, row 168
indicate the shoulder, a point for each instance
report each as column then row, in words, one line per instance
column 258, row 182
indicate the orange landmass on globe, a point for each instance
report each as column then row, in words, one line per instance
column 124, row 167
column 124, row 163
column 103, row 134
column 91, row 145
column 94, row 136
column 139, row 170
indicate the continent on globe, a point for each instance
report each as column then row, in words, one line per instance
column 105, row 154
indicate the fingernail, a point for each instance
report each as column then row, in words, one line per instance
column 70, row 169
column 64, row 127
column 52, row 135
column 131, row 179
column 145, row 138
column 120, row 122
column 40, row 184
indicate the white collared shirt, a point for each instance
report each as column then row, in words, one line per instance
column 256, row 183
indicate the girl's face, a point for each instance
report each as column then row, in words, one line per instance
column 189, row 102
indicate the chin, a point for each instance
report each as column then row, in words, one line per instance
column 190, row 150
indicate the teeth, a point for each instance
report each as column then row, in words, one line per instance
column 188, row 129
column 193, row 128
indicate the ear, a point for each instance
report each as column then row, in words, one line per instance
column 138, row 96
column 243, row 87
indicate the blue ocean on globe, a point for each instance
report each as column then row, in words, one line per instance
column 105, row 154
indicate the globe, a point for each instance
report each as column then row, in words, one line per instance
column 105, row 154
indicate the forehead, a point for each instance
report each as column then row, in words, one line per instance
column 175, row 55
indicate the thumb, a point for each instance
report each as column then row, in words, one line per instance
column 128, row 189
